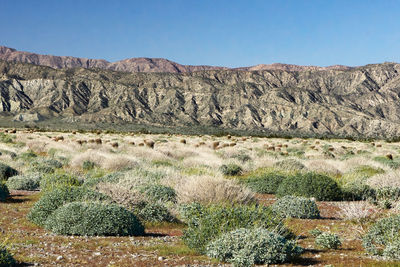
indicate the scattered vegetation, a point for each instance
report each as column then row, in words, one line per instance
column 241, row 200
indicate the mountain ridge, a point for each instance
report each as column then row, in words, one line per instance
column 139, row 64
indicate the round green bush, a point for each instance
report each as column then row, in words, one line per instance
column 52, row 200
column 93, row 219
column 290, row 165
column 52, row 181
column 266, row 183
column 6, row 259
column 4, row 193
column 231, row 169
column 207, row 223
column 246, row 247
column 310, row 184
column 296, row 207
column 154, row 212
column 328, row 240
column 6, row 172
column 383, row 236
column 157, row 192
column 28, row 182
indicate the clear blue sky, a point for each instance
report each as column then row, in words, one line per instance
column 211, row 32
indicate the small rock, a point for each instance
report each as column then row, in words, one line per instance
column 59, row 258
column 97, row 254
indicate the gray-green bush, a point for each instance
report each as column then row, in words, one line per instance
column 52, row 181
column 207, row 223
column 52, row 200
column 94, row 219
column 328, row 240
column 30, row 182
column 383, row 236
column 246, row 247
column 296, row 207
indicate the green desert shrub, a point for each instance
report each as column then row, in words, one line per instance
column 392, row 250
column 52, row 181
column 154, row 212
column 246, row 247
column 328, row 240
column 52, row 200
column 392, row 163
column 27, row 156
column 357, row 190
column 157, row 192
column 383, row 236
column 231, row 169
column 30, row 182
column 315, row 232
column 6, row 172
column 296, row 207
column 4, row 193
column 264, row 183
column 6, row 138
column 207, row 223
column 45, row 166
column 386, row 197
column 114, row 177
column 93, row 219
column 310, row 184
column 6, row 259
column 290, row 165
column 88, row 165
column 242, row 157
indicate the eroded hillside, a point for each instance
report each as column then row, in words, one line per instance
column 358, row 101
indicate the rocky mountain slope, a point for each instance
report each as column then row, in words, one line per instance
column 136, row 64
column 359, row 101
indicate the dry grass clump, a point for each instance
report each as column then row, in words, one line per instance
column 209, row 189
column 355, row 210
column 121, row 195
column 322, row 166
column 388, row 179
column 105, row 160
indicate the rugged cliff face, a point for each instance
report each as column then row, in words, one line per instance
column 358, row 101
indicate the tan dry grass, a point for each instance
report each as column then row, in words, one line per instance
column 210, row 189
